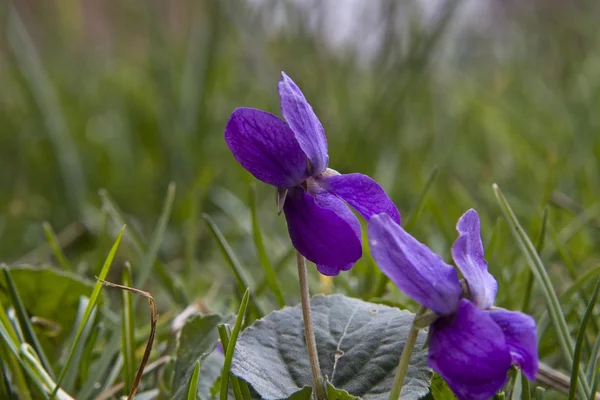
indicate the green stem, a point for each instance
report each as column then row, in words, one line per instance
column 411, row 340
column 311, row 343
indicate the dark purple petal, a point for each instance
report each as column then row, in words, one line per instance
column 266, row 147
column 323, row 229
column 416, row 270
column 470, row 352
column 363, row 194
column 467, row 252
column 305, row 124
column 520, row 332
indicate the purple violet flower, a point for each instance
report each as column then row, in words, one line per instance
column 472, row 344
column 292, row 156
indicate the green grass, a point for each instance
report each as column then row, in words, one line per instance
column 105, row 109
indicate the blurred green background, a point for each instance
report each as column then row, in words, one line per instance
column 129, row 96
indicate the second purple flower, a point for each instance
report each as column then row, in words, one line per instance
column 292, row 156
column 472, row 344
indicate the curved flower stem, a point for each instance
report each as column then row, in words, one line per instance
column 411, row 340
column 309, row 333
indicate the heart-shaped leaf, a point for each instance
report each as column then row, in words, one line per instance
column 358, row 343
column 50, row 294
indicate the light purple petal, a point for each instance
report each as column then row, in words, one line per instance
column 323, row 229
column 467, row 252
column 364, row 194
column 413, row 267
column 266, row 147
column 305, row 124
column 470, row 352
column 520, row 332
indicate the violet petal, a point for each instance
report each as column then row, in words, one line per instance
column 323, row 229
column 364, row 194
column 467, row 252
column 413, row 267
column 305, row 124
column 520, row 332
column 470, row 352
column 266, row 146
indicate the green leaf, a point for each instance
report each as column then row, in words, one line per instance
column 338, row 394
column 197, row 339
column 358, row 343
column 304, row 394
column 192, row 393
column 440, row 389
column 50, row 294
column 231, row 346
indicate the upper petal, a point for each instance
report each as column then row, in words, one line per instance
column 266, row 147
column 416, row 270
column 305, row 124
column 467, row 252
column 323, row 229
column 470, row 352
column 364, row 194
column 521, row 338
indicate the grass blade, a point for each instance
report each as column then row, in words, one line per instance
column 593, row 361
column 46, row 99
column 240, row 387
column 157, row 237
column 270, row 275
column 538, row 248
column 172, row 286
column 88, row 310
column 53, row 243
column 581, row 339
column 238, row 270
column 231, row 345
column 541, row 276
column 279, row 266
column 24, row 321
column 540, row 393
column 68, row 382
column 193, row 385
column 14, row 350
column 414, row 216
column 31, row 359
column 127, row 332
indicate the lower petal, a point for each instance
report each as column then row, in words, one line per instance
column 323, row 229
column 364, row 194
column 470, row 352
column 520, row 332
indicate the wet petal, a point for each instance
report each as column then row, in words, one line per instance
column 364, row 194
column 413, row 267
column 470, row 352
column 467, row 252
column 323, row 229
column 520, row 332
column 266, row 147
column 305, row 124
